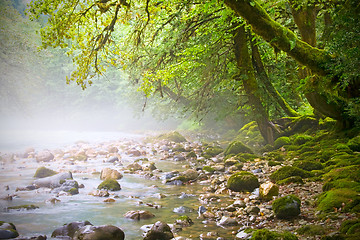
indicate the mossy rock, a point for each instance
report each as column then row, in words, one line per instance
column 213, row 151
column 281, row 141
column 274, row 156
column 289, row 171
column 74, row 191
column 43, row 172
column 293, row 179
column 326, row 154
column 191, row 154
column 265, row 234
column 110, row 184
column 230, row 162
column 354, row 144
column 242, row 181
column 308, row 165
column 172, row 137
column 346, row 199
column 341, row 183
column 351, row 227
column 237, row 147
column 311, row 230
column 208, row 169
column 245, row 157
column 350, row 172
column 301, row 139
column 286, row 207
column 273, row 163
column 341, row 147
column 27, row 207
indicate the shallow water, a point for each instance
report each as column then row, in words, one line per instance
column 136, row 192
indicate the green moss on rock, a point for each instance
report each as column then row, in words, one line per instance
column 27, row 207
column 281, row 141
column 341, row 183
column 42, row 172
column 350, row 172
column 265, row 234
column 191, row 154
column 110, row 184
column 173, row 137
column 308, row 165
column 237, row 147
column 287, row 207
column 351, row 227
column 301, row 139
column 311, row 230
column 289, row 171
column 354, row 144
column 346, row 199
column 294, row 179
column 242, row 181
column 213, row 151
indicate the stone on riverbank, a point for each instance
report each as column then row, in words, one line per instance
column 242, row 181
column 42, row 172
column 287, row 207
column 139, row 215
column 160, row 230
column 108, row 173
column 172, row 137
column 237, row 147
column 268, row 190
column 108, row 232
column 289, row 171
column 53, row 181
column 110, row 184
column 7, row 230
column 44, row 156
column 69, row 230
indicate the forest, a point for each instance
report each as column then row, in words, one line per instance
column 277, row 82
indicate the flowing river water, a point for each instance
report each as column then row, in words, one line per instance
column 137, row 193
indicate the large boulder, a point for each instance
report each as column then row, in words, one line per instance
column 104, row 232
column 42, row 172
column 287, row 207
column 44, row 156
column 7, row 230
column 268, row 190
column 160, row 230
column 237, row 147
column 53, row 181
column 69, row 230
column 242, row 181
column 110, row 184
column 138, row 215
column 108, row 173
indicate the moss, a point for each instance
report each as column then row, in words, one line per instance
column 301, row 139
column 273, row 163
column 73, row 191
column 289, row 171
column 27, row 207
column 179, row 148
column 236, row 147
column 281, row 141
column 287, row 207
column 213, row 151
column 341, row 183
column 311, row 230
column 275, row 156
column 173, row 137
column 354, row 144
column 350, row 227
column 242, row 181
column 209, row 169
column 245, row 157
column 294, row 179
column 265, row 234
column 308, row 165
column 350, row 172
column 267, row 148
column 230, row 162
column 110, row 184
column 346, row 199
column 42, row 172
column 326, row 154
column 341, row 147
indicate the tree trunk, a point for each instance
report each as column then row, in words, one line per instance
column 243, row 60
column 263, row 76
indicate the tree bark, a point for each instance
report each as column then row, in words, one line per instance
column 263, row 76
column 243, row 60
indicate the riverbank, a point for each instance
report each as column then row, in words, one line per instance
column 172, row 177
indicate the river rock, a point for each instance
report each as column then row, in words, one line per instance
column 134, row 167
column 108, row 173
column 113, row 150
column 190, row 174
column 242, row 235
column 242, row 181
column 268, row 190
column 134, row 153
column 110, row 184
column 53, row 181
column 42, row 172
column 44, row 156
column 138, row 215
column 8, row 230
column 113, row 159
column 69, row 230
column 148, row 166
column 69, row 185
column 179, row 158
column 40, row 237
column 108, row 232
column 160, row 230
column 99, row 193
column 227, row 221
column 286, row 207
column 183, row 209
